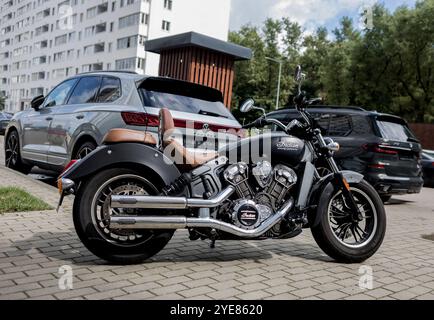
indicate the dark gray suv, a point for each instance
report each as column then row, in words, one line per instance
column 72, row 120
column 379, row 146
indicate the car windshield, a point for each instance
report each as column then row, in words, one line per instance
column 5, row 116
column 395, row 131
column 179, row 102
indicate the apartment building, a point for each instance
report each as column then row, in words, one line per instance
column 43, row 42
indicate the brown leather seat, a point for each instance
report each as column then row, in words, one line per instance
column 192, row 159
column 125, row 135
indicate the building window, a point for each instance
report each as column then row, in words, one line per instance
column 131, row 20
column 127, row 42
column 126, row 64
column 166, row 25
column 168, row 4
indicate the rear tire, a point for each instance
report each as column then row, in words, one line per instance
column 13, row 158
column 333, row 222
column 90, row 213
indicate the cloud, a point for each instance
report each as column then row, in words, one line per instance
column 309, row 13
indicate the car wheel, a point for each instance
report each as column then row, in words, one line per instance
column 13, row 158
column 84, row 150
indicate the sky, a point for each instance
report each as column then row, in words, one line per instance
column 311, row 14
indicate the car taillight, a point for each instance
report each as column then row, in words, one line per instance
column 143, row 119
column 135, row 118
column 69, row 166
column 376, row 148
column 376, row 166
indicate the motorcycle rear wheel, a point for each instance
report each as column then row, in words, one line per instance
column 341, row 238
column 91, row 213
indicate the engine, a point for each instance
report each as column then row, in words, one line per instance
column 260, row 194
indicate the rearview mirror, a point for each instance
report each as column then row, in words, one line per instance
column 247, row 106
column 37, row 102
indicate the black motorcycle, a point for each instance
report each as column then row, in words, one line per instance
column 131, row 196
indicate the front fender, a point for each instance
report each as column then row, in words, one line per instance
column 124, row 155
column 325, row 187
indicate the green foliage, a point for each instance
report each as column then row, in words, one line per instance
column 388, row 68
column 16, row 200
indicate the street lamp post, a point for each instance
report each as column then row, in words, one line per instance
column 279, row 80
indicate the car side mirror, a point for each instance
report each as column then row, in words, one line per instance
column 37, row 102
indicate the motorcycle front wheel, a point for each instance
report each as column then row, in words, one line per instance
column 342, row 238
column 92, row 212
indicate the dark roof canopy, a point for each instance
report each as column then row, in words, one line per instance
column 194, row 39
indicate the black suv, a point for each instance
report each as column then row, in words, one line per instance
column 379, row 146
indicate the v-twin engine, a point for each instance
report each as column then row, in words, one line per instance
column 260, row 194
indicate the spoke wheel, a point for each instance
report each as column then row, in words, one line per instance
column 84, row 152
column 353, row 234
column 129, row 185
column 12, row 150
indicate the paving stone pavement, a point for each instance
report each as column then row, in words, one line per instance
column 33, row 246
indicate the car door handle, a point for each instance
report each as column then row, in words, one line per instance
column 49, row 118
column 80, row 116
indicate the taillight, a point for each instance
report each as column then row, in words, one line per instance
column 376, row 148
column 377, row 166
column 135, row 118
column 69, row 166
column 143, row 119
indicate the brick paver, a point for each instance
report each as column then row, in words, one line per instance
column 33, row 246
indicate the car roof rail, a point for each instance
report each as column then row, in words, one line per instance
column 109, row 71
column 337, row 107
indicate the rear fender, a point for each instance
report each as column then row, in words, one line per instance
column 323, row 189
column 124, row 155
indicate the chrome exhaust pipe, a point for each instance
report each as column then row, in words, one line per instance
column 171, row 223
column 178, row 203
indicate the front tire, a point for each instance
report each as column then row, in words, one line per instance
column 13, row 158
column 91, row 213
column 338, row 236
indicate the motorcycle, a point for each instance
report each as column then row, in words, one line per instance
column 131, row 196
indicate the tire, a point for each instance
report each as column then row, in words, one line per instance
column 375, row 225
column 385, row 198
column 106, row 243
column 13, row 158
column 84, row 150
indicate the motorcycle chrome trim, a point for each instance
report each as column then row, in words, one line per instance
column 65, row 185
column 178, row 203
column 306, row 185
column 167, row 223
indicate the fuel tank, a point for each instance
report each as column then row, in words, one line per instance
column 273, row 147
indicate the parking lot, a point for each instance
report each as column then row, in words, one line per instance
column 36, row 246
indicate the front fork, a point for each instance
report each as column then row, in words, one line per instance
column 339, row 179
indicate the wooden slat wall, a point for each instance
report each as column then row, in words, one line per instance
column 200, row 66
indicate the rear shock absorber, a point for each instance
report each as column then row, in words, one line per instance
column 178, row 185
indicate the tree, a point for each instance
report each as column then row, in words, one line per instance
column 388, row 68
